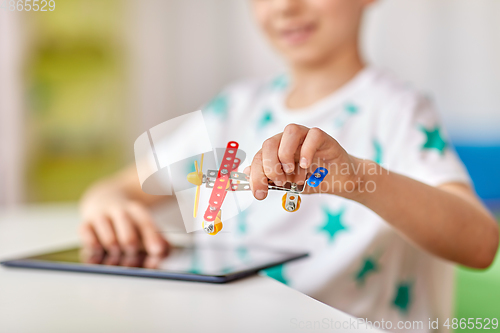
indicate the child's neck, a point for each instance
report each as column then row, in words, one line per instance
column 313, row 82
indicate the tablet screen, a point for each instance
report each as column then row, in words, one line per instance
column 212, row 261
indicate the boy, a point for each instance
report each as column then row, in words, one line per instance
column 375, row 238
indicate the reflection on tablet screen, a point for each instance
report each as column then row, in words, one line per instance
column 203, row 261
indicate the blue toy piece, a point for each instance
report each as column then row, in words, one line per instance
column 317, row 177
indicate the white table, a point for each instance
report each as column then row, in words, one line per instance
column 48, row 301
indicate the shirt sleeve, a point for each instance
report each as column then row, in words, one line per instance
column 417, row 143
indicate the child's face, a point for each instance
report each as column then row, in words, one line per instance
column 307, row 32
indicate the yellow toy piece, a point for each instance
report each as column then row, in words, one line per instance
column 217, row 225
column 196, row 178
column 283, row 203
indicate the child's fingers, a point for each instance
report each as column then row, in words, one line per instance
column 312, row 143
column 299, row 176
column 106, row 233
column 91, row 256
column 89, row 238
column 126, row 232
column 292, row 138
column 112, row 259
column 271, row 163
column 258, row 179
column 152, row 262
column 130, row 260
column 153, row 241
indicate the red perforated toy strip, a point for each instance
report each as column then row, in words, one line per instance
column 229, row 163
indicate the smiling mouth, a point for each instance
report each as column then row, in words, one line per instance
column 298, row 34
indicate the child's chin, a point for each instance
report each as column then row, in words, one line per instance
column 304, row 57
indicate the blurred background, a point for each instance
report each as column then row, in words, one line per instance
column 78, row 85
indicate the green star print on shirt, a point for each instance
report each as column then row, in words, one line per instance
column 333, row 223
column 377, row 147
column 369, row 266
column 434, row 139
column 195, row 264
column 266, row 119
column 242, row 253
column 349, row 110
column 190, row 165
column 403, row 296
column 218, row 106
column 276, row 273
column 280, row 82
column 242, row 222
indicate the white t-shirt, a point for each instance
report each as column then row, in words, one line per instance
column 358, row 263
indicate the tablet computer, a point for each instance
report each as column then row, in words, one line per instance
column 205, row 263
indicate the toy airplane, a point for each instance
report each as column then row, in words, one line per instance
column 227, row 178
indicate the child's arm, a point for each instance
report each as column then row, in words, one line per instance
column 116, row 216
column 448, row 221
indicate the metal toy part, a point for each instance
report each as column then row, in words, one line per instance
column 227, row 178
column 317, row 177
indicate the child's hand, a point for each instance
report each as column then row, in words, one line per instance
column 292, row 155
column 117, row 224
